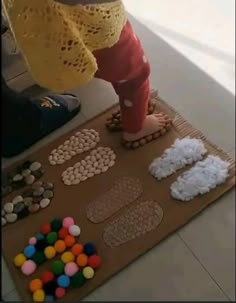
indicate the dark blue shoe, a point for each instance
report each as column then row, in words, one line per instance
column 52, row 113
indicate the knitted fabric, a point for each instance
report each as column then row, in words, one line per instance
column 58, row 41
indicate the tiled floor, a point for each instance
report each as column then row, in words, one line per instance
column 198, row 262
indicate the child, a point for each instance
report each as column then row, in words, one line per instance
column 66, row 45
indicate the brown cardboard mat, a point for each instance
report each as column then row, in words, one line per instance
column 74, row 200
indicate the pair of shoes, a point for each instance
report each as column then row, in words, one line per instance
column 54, row 111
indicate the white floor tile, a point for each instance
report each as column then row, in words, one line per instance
column 211, row 237
column 7, row 282
column 12, row 296
column 169, row 272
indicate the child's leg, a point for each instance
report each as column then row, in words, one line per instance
column 127, row 68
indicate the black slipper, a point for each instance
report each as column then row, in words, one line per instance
column 53, row 112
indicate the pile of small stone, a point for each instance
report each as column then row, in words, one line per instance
column 26, row 174
column 79, row 143
column 38, row 197
column 99, row 161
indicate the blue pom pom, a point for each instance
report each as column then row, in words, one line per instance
column 63, row 281
column 89, row 249
column 29, row 251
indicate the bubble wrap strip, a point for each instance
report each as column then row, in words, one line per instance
column 123, row 192
column 136, row 222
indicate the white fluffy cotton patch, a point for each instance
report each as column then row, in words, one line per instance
column 183, row 152
column 200, row 179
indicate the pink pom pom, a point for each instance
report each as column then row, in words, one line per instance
column 28, row 267
column 32, row 241
column 71, row 269
column 67, row 222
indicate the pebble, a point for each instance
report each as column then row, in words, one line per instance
column 26, row 164
column 48, row 194
column 48, row 185
column 19, row 207
column 30, row 179
column 17, row 199
column 38, row 192
column 4, row 221
column 11, row 218
column 44, row 203
column 37, row 185
column 17, row 178
column 28, row 201
column 8, row 207
column 35, row 166
column 23, row 213
column 37, row 174
column 26, row 172
column 34, row 208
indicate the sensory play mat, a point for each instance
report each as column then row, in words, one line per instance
column 84, row 206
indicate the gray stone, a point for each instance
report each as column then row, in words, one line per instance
column 48, row 194
column 26, row 173
column 8, row 207
column 17, row 199
column 34, row 208
column 38, row 192
column 11, row 218
column 30, row 179
column 17, row 178
column 37, row 185
column 44, row 203
column 4, row 221
column 28, row 201
column 48, row 185
column 19, row 207
column 35, row 166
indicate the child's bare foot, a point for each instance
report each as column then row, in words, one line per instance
column 114, row 122
column 153, row 124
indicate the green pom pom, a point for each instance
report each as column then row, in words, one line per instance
column 58, row 267
column 56, row 225
column 77, row 280
column 39, row 257
column 52, row 238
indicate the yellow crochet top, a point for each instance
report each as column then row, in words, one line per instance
column 57, row 41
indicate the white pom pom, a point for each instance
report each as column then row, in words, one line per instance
column 74, row 230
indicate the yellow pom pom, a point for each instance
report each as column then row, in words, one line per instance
column 19, row 260
column 88, row 272
column 39, row 296
column 67, row 257
column 50, row 252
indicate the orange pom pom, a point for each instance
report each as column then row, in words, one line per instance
column 35, row 284
column 69, row 241
column 77, row 249
column 82, row 260
column 60, row 246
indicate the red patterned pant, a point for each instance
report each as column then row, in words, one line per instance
column 127, row 68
